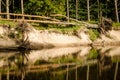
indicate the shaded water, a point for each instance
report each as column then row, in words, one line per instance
column 68, row 63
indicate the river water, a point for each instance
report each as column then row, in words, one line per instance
column 65, row 63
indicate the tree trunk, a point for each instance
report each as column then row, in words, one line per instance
column 13, row 6
column 116, row 11
column 88, row 10
column 68, row 9
column 22, row 9
column 0, row 7
column 7, row 9
column 76, row 9
column 98, row 9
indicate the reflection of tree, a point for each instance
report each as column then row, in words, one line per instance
column 116, row 69
column 104, row 62
column 17, row 63
column 22, row 63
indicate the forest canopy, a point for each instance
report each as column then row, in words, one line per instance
column 78, row 9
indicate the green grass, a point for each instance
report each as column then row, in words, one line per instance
column 11, row 23
column 93, row 54
column 116, row 25
column 94, row 34
column 59, row 28
column 93, row 22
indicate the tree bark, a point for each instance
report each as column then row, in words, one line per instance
column 88, row 10
column 7, row 9
column 116, row 11
column 0, row 7
column 98, row 9
column 13, row 6
column 76, row 9
column 68, row 9
column 22, row 9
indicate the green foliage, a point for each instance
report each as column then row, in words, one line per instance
column 44, row 7
column 68, row 30
column 93, row 54
column 48, row 7
column 59, row 28
column 116, row 24
column 94, row 34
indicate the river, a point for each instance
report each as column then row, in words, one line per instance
column 63, row 63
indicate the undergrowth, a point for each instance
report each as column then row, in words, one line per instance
column 94, row 34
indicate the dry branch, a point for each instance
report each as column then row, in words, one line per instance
column 29, row 16
column 41, row 21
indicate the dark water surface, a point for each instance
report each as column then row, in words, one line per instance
column 76, row 63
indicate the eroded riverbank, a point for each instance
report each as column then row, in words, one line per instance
column 26, row 36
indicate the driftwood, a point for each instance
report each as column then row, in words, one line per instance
column 105, row 25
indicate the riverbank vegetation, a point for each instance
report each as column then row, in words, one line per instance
column 65, row 11
column 70, row 29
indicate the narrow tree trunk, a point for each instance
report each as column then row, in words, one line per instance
column 98, row 10
column 116, row 70
column 8, row 71
column 88, row 10
column 13, row 6
column 67, row 74
column 76, row 9
column 0, row 7
column 7, row 9
column 88, row 72
column 22, row 9
column 116, row 11
column 68, row 9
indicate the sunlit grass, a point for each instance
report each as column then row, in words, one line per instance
column 116, row 24
column 59, row 28
column 11, row 23
column 94, row 34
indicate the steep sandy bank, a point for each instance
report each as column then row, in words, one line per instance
column 37, row 39
column 48, row 38
column 111, row 38
column 5, row 41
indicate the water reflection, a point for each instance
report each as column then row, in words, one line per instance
column 71, row 63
